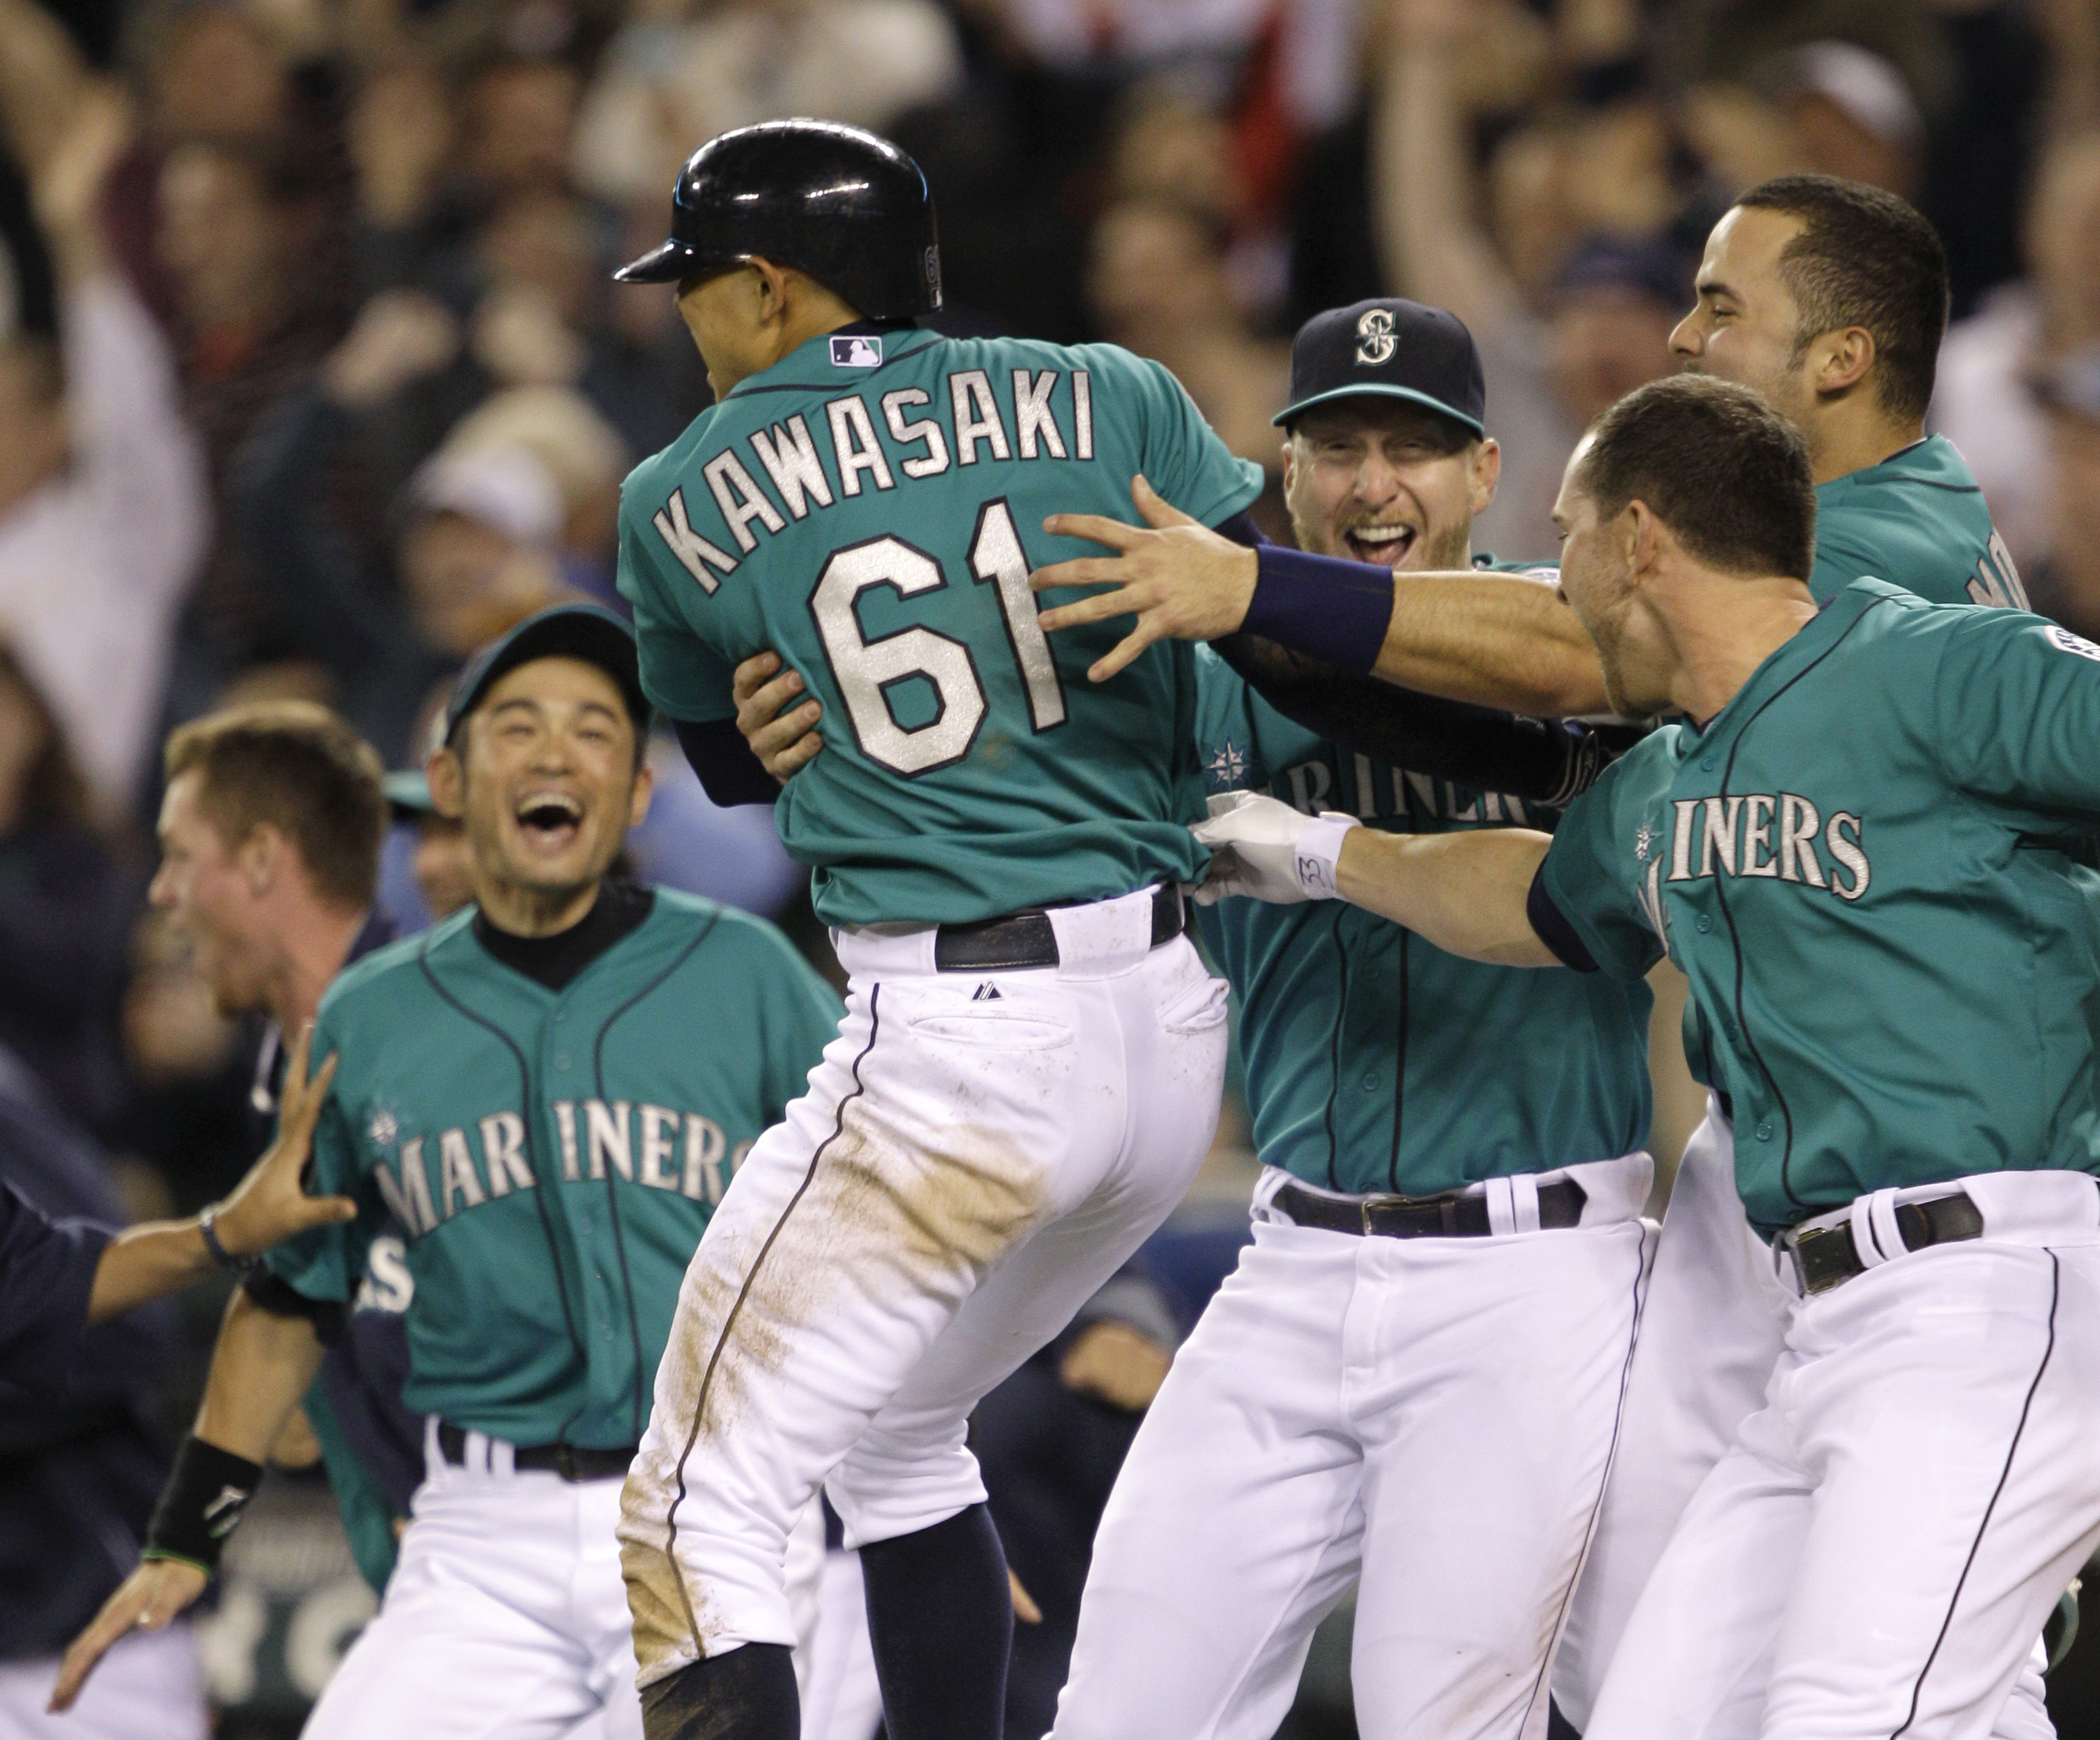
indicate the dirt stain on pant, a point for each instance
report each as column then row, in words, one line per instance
column 884, row 1219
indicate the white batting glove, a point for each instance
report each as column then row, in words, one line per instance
column 1264, row 850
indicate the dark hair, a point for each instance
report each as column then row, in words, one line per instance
column 1717, row 465
column 1864, row 258
column 302, row 769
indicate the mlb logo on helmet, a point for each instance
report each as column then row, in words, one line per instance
column 856, row 350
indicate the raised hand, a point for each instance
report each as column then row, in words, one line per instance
column 1180, row 579
column 271, row 1203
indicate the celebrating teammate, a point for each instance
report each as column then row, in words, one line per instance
column 1434, row 1131
column 1856, row 847
column 1829, row 299
column 1029, row 1073
column 526, row 1088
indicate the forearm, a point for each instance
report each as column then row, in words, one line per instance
column 1541, row 760
column 729, row 772
column 1493, row 640
column 262, row 1367
column 146, row 1262
column 1464, row 892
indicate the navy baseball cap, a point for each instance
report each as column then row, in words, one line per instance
column 588, row 632
column 1387, row 348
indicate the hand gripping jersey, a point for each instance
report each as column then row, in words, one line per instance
column 1862, row 863
column 554, row 1156
column 869, row 508
column 1376, row 1062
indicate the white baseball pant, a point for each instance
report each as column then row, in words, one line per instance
column 505, row 1615
column 1712, row 1329
column 1428, row 1419
column 1877, row 1551
column 977, row 1153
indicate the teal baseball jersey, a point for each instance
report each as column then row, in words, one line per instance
column 1918, row 519
column 553, row 1156
column 1862, row 863
column 1375, row 1061
column 869, row 508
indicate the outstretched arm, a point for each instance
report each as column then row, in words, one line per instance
column 1466, row 893
column 267, row 1208
column 1493, row 640
column 262, row 1365
column 1547, row 760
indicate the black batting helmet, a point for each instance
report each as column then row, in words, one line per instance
column 848, row 208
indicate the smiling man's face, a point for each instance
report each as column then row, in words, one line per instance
column 1385, row 480
column 549, row 781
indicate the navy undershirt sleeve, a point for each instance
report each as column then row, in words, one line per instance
column 1548, row 761
column 47, row 1274
column 1553, row 931
column 730, row 774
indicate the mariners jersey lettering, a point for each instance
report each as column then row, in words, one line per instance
column 869, row 508
column 1865, row 865
column 553, row 1157
column 1374, row 1061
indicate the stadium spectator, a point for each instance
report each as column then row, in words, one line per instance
column 65, row 908
column 103, row 514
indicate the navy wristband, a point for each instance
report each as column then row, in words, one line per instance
column 1334, row 610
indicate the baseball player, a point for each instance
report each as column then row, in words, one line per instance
column 1828, row 298
column 1856, row 844
column 525, row 1089
column 1029, row 1071
column 1448, row 1249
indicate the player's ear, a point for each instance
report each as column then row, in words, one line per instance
column 447, row 783
column 259, row 857
column 1638, row 535
column 771, row 289
column 645, row 788
column 1843, row 358
column 1486, row 469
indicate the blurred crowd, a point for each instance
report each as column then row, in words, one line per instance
column 312, row 378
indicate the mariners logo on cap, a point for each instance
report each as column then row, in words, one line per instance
column 1375, row 341
column 857, row 351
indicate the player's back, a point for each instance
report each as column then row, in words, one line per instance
column 869, row 508
column 1918, row 519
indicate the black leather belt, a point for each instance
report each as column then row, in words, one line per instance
column 1825, row 1257
column 1026, row 939
column 1452, row 1217
column 571, row 1461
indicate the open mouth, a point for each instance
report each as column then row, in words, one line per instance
column 551, row 820
column 1387, row 545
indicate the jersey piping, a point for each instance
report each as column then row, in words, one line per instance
column 1735, row 937
column 611, row 1195
column 532, row 1162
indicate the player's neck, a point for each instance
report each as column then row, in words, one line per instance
column 1852, row 436
column 1725, row 626
column 314, row 952
column 810, row 316
column 519, row 911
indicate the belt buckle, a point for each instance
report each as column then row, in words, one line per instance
column 565, row 1461
column 1812, row 1241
